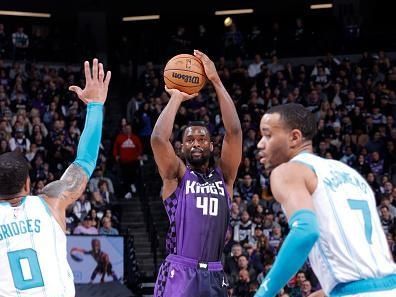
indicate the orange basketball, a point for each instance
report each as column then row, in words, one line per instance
column 185, row 73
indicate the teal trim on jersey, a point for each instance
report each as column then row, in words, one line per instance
column 23, row 200
column 88, row 146
column 19, row 282
column 326, row 260
column 46, row 206
column 306, row 164
column 365, row 286
column 304, row 232
column 342, row 232
column 56, row 251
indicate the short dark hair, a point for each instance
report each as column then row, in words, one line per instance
column 195, row 124
column 14, row 170
column 296, row 116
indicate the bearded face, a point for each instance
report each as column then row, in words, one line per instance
column 197, row 147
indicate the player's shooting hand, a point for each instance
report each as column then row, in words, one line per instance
column 96, row 84
column 179, row 94
column 209, row 66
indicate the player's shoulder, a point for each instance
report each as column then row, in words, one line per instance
column 290, row 170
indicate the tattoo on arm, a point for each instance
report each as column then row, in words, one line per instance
column 71, row 185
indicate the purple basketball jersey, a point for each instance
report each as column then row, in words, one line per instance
column 198, row 212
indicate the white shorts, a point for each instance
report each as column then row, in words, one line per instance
column 389, row 293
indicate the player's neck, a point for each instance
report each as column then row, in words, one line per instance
column 305, row 148
column 203, row 169
column 14, row 200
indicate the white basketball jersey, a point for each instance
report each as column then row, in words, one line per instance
column 33, row 252
column 352, row 243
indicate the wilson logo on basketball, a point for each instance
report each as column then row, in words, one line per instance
column 186, row 78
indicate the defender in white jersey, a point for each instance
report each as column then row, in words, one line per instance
column 331, row 211
column 33, row 258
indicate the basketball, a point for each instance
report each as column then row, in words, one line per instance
column 185, row 73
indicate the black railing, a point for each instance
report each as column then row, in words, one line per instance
column 131, row 267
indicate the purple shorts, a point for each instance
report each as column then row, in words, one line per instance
column 185, row 277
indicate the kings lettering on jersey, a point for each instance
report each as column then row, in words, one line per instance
column 194, row 187
column 199, row 214
column 19, row 227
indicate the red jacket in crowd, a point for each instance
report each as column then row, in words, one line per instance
column 127, row 147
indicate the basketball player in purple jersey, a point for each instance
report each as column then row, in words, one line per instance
column 195, row 196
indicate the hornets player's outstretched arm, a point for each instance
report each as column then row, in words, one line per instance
column 231, row 151
column 292, row 184
column 170, row 166
column 69, row 188
column 62, row 193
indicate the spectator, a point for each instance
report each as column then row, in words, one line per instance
column 20, row 43
column 235, row 214
column 127, row 152
column 86, row 228
column 106, row 228
column 95, row 219
column 242, row 288
column 362, row 166
column 252, row 207
column 243, row 264
column 244, row 230
column 255, row 67
column 247, row 187
column 231, row 261
column 387, row 221
column 295, row 289
column 19, row 142
column 276, row 236
column 114, row 219
column 238, row 200
column 306, row 288
column 275, row 66
column 107, row 197
column 98, row 176
column 82, row 207
column 376, row 164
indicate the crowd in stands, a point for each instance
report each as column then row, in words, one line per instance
column 41, row 119
column 355, row 108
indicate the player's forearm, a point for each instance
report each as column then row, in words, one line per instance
column 164, row 125
column 302, row 237
column 229, row 114
column 88, row 146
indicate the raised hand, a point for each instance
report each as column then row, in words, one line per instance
column 96, row 85
column 180, row 94
column 209, row 66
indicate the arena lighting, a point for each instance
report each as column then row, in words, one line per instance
column 321, row 6
column 234, row 11
column 25, row 14
column 141, row 18
column 228, row 21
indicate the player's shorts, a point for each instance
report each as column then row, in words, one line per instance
column 380, row 287
column 184, row 277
